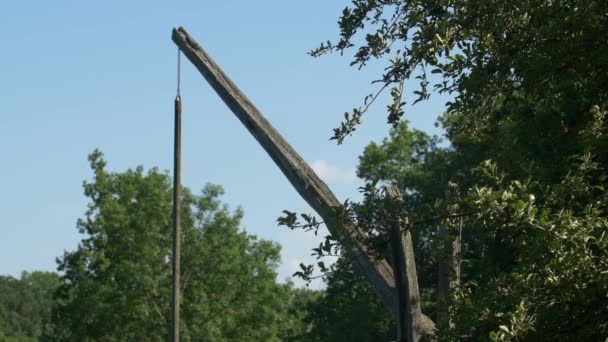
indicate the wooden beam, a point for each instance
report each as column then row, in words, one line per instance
column 409, row 323
column 314, row 191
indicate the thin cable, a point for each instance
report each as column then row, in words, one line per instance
column 179, row 71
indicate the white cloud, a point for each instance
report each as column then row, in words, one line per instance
column 333, row 173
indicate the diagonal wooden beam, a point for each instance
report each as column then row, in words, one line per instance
column 314, row 191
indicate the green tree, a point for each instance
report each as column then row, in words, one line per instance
column 537, row 62
column 516, row 235
column 528, row 135
column 25, row 305
column 116, row 285
column 300, row 314
column 348, row 309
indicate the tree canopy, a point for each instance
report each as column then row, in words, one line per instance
column 115, row 285
column 25, row 305
column 525, row 169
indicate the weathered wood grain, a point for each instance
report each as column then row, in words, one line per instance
column 298, row 172
column 409, row 324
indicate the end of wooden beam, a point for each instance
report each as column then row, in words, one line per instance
column 181, row 37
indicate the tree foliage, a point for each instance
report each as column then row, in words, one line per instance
column 25, row 305
column 543, row 57
column 116, row 284
column 528, row 140
column 348, row 310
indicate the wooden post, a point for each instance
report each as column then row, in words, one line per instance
column 449, row 262
column 443, row 277
column 176, row 219
column 312, row 189
column 409, row 322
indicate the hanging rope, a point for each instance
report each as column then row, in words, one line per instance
column 179, row 70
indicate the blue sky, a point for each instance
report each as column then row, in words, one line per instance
column 77, row 75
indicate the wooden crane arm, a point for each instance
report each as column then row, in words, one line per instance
column 312, row 189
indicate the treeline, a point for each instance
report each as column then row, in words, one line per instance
column 116, row 285
column 346, row 311
column 26, row 304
